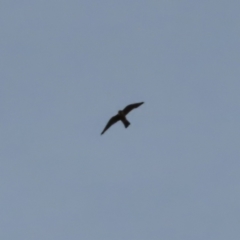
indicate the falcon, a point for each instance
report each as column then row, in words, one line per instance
column 121, row 116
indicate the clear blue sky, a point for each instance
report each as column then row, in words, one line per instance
column 66, row 67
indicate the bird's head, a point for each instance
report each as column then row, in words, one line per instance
column 120, row 112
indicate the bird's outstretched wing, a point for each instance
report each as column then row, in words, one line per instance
column 112, row 120
column 130, row 107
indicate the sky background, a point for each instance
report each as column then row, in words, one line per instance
column 66, row 67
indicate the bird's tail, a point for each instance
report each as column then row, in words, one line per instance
column 125, row 122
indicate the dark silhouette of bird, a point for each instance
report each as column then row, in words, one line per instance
column 121, row 116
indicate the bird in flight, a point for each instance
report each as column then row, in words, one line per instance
column 121, row 116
